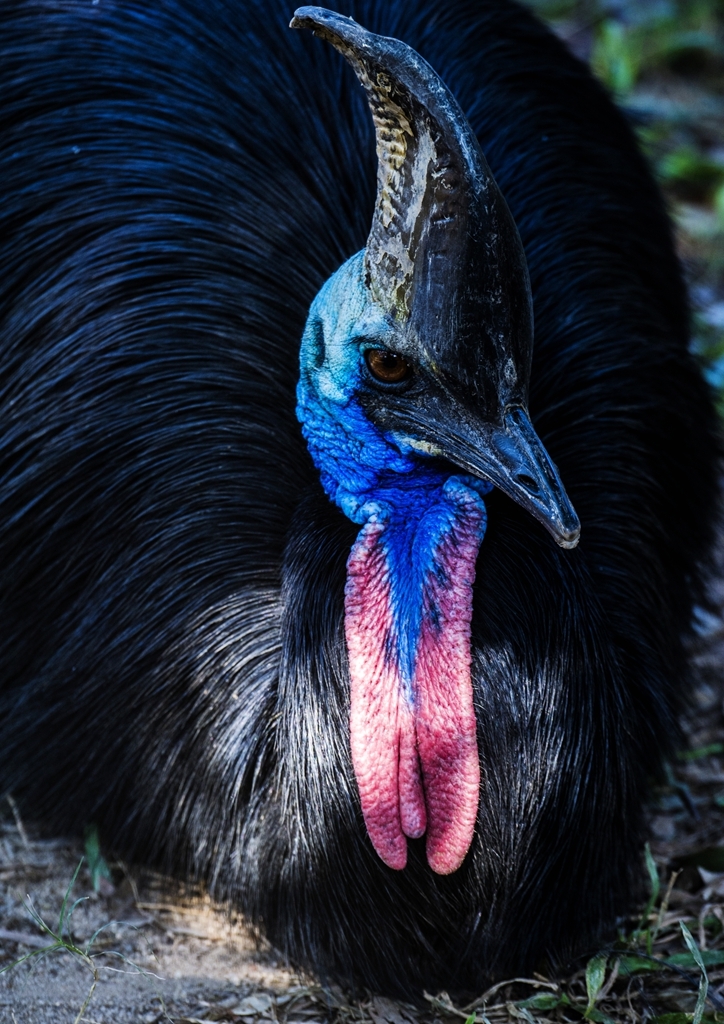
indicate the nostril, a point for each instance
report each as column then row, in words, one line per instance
column 527, row 481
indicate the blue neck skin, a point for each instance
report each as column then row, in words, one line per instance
column 368, row 474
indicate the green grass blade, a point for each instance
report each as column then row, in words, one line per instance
column 37, row 919
column 703, row 980
column 29, row 956
column 102, row 928
column 64, row 904
column 81, row 899
column 655, row 889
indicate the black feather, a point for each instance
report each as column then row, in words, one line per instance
column 178, row 180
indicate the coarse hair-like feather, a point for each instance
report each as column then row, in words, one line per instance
column 178, row 179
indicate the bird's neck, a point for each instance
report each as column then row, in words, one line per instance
column 408, row 610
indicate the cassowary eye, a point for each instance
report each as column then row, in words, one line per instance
column 386, row 366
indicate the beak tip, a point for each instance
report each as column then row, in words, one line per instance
column 568, row 538
column 568, row 543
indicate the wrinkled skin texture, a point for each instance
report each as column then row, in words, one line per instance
column 408, row 606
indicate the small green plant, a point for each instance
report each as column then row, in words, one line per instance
column 60, row 940
column 97, row 865
column 595, row 977
column 632, row 955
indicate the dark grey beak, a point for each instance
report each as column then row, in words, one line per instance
column 511, row 457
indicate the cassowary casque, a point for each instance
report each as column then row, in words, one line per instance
column 292, row 589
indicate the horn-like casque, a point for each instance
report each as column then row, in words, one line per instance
column 443, row 255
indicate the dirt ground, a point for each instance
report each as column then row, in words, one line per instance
column 165, row 953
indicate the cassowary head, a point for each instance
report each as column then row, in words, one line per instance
column 415, row 363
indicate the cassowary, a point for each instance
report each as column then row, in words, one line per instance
column 291, row 593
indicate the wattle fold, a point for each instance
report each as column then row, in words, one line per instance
column 408, row 609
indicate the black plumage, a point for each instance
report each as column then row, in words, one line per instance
column 178, row 180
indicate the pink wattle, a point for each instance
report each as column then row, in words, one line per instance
column 414, row 749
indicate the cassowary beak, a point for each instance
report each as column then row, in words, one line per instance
column 511, row 456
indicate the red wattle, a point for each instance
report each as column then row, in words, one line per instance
column 381, row 726
column 445, row 721
column 414, row 750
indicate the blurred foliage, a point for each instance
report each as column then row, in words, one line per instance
column 663, row 61
column 631, row 38
column 690, row 174
column 640, row 39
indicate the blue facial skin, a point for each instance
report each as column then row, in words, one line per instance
column 372, row 476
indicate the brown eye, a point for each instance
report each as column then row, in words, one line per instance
column 386, row 366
